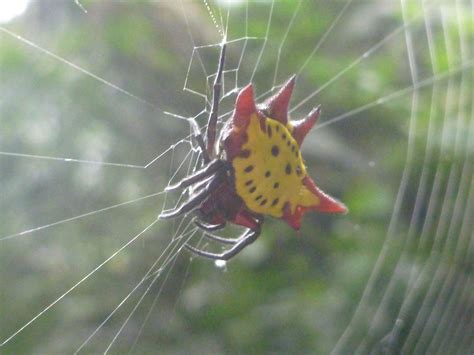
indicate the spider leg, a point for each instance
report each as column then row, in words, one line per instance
column 216, row 238
column 216, row 95
column 247, row 238
column 212, row 228
column 208, row 227
column 194, row 201
column 207, row 171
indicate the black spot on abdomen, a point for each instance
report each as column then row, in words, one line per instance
column 275, row 151
column 248, row 169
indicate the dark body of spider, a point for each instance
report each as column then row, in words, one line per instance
column 255, row 169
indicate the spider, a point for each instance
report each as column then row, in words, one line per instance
column 254, row 170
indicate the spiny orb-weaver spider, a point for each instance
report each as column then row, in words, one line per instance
column 255, row 169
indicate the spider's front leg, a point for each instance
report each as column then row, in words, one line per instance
column 199, row 175
column 195, row 200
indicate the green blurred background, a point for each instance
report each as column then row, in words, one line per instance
column 403, row 167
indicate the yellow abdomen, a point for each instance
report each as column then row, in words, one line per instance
column 270, row 170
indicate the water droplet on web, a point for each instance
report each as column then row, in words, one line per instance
column 221, row 264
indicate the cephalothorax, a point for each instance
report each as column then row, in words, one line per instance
column 256, row 170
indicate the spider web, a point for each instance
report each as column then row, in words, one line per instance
column 87, row 267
